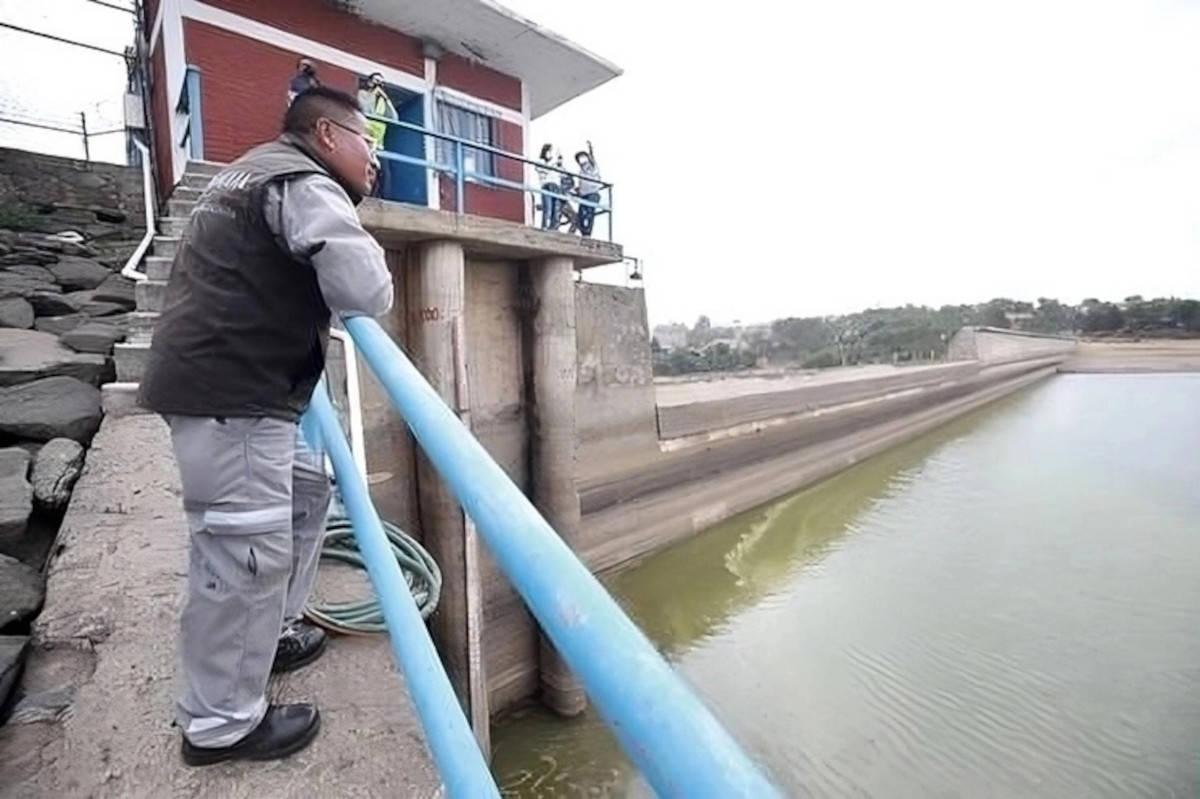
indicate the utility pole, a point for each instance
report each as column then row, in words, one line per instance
column 87, row 153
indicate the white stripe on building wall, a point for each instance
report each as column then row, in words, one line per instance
column 156, row 26
column 201, row 12
column 175, row 61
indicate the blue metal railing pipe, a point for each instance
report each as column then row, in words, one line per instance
column 455, row 751
column 669, row 734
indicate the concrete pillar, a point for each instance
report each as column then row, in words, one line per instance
column 435, row 296
column 391, row 473
column 551, row 356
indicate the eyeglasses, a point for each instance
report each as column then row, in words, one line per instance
column 371, row 146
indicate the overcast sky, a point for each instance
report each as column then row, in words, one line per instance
column 820, row 157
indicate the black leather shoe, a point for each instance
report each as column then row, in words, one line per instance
column 284, row 730
column 300, row 644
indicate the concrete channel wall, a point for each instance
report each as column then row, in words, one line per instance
column 704, row 417
column 685, row 490
column 993, row 345
column 728, row 445
column 614, row 397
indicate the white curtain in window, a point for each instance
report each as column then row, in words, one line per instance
column 454, row 120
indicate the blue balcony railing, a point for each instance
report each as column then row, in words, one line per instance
column 508, row 174
column 667, row 732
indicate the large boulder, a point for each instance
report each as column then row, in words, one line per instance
column 27, row 255
column 103, row 310
column 73, row 248
column 21, row 593
column 15, row 285
column 46, row 303
column 31, row 271
column 12, row 656
column 74, row 273
column 90, row 306
column 57, row 325
column 14, row 460
column 56, row 407
column 32, row 447
column 16, row 496
column 117, row 289
column 95, row 337
column 16, row 312
column 31, row 354
column 55, row 470
column 38, row 241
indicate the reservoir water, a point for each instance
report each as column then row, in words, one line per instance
column 1009, row 606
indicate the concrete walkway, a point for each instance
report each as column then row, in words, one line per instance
column 107, row 651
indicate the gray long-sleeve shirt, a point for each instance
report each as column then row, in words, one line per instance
column 312, row 216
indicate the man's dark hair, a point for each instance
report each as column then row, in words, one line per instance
column 312, row 104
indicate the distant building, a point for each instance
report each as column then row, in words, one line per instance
column 672, row 336
column 1019, row 319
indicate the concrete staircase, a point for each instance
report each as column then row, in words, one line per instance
column 131, row 355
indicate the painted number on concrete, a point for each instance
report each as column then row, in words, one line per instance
column 428, row 315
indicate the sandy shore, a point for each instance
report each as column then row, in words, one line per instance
column 1155, row 355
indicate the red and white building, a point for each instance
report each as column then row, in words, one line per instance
column 220, row 71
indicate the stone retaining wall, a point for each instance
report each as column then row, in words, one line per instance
column 48, row 193
column 66, row 229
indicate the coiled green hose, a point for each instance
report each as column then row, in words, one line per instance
column 365, row 617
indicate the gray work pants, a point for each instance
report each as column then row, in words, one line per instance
column 256, row 499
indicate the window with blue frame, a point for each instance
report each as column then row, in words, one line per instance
column 464, row 123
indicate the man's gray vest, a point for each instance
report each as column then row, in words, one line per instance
column 244, row 328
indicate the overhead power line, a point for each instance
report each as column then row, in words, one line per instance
column 126, row 9
column 61, row 39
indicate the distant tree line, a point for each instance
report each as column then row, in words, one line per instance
column 904, row 335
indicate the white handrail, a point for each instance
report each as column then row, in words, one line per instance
column 354, row 411
column 130, row 269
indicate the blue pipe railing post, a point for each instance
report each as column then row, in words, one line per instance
column 455, row 751
column 459, row 177
column 610, row 214
column 669, row 734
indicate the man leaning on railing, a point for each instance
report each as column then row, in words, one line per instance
column 272, row 248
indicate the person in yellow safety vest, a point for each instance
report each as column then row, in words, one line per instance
column 374, row 101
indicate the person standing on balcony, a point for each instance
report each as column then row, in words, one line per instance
column 554, row 204
column 373, row 100
column 589, row 189
column 273, row 248
column 566, row 186
column 304, row 79
column 548, row 180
